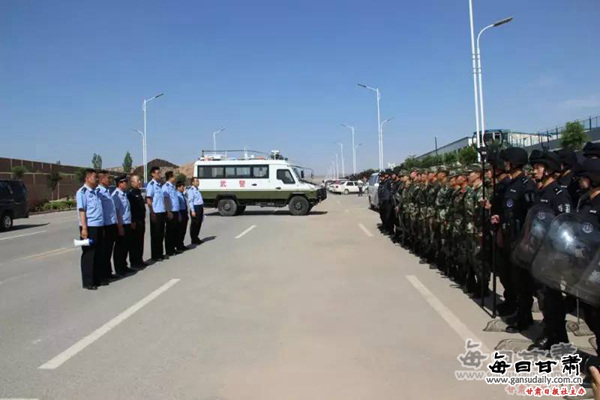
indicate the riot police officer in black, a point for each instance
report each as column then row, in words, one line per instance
column 547, row 167
column 518, row 197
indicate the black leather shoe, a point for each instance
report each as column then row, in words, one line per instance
column 103, row 283
column 91, row 287
column 541, row 343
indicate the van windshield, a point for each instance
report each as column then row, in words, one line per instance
column 298, row 173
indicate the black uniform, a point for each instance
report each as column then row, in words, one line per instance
column 385, row 205
column 590, row 209
column 519, row 196
column 138, row 227
column 570, row 183
column 557, row 199
column 501, row 255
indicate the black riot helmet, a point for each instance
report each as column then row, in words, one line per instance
column 549, row 159
column 568, row 158
column 535, row 156
column 591, row 170
column 516, row 156
column 591, row 150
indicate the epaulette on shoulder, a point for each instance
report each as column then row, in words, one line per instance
column 525, row 179
column 83, row 189
column 558, row 190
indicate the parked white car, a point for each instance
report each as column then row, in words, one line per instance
column 373, row 184
column 347, row 187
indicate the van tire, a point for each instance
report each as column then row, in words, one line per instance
column 299, row 205
column 240, row 210
column 6, row 222
column 227, row 207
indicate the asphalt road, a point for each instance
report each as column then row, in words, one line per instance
column 271, row 307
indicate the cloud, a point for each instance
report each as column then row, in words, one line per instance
column 591, row 101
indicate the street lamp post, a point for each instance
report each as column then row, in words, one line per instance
column 474, row 60
column 215, row 139
column 381, row 134
column 145, row 152
column 342, row 157
column 480, row 84
column 143, row 149
column 353, row 148
column 376, row 90
column 337, row 166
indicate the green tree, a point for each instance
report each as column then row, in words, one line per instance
column 127, row 163
column 19, row 171
column 411, row 162
column 80, row 175
column 450, row 158
column 54, row 179
column 467, row 155
column 97, row 162
column 573, row 136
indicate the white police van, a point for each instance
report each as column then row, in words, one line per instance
column 254, row 179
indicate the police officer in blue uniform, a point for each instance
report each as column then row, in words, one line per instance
column 123, row 243
column 91, row 222
column 175, row 218
column 196, row 205
column 110, row 224
column 183, row 216
column 155, row 198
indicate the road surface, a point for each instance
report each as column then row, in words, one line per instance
column 270, row 307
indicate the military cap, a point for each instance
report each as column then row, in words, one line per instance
column 591, row 150
column 457, row 172
column 404, row 172
column 475, row 167
column 434, row 169
column 443, row 168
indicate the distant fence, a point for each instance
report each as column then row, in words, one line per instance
column 588, row 124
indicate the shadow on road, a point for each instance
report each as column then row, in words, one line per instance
column 27, row 226
column 282, row 212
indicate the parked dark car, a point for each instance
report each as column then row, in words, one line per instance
column 13, row 203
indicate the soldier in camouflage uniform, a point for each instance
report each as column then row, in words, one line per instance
column 477, row 271
column 430, row 216
column 448, row 224
column 441, row 214
column 458, row 227
column 408, row 208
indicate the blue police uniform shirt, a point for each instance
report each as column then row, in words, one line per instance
column 154, row 190
column 182, row 202
column 89, row 201
column 122, row 205
column 172, row 191
column 108, row 206
column 194, row 197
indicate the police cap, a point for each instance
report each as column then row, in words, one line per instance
column 121, row 178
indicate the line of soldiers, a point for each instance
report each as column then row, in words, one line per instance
column 115, row 222
column 463, row 219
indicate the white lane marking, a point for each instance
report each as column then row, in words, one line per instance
column 16, row 398
column 12, row 278
column 104, row 329
column 23, row 235
column 46, row 253
column 246, row 231
column 452, row 320
column 365, row 230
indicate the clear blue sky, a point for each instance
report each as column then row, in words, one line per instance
column 282, row 75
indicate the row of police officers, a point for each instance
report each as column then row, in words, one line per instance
column 468, row 219
column 115, row 223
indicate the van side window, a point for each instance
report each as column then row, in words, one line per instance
column 285, row 176
column 260, row 171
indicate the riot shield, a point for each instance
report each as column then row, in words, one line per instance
column 536, row 225
column 568, row 258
